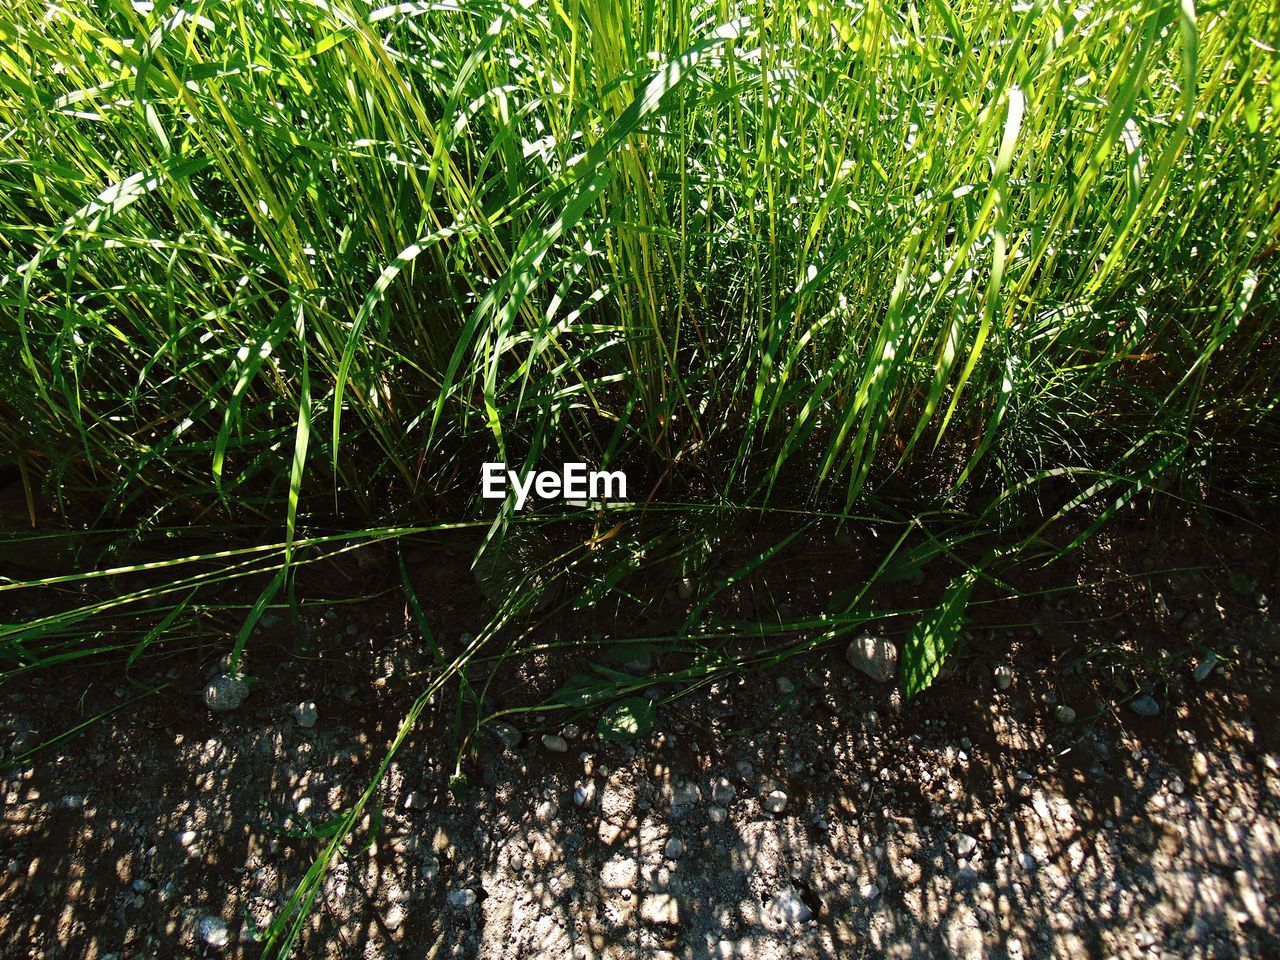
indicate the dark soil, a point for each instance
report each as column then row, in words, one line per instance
column 971, row 821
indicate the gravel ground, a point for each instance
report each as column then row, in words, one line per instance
column 1023, row 807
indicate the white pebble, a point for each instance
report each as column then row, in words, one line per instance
column 305, row 713
column 213, row 931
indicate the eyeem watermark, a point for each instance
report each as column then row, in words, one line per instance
column 573, row 482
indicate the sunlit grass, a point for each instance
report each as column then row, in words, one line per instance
column 383, row 244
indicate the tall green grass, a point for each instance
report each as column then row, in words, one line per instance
column 269, row 258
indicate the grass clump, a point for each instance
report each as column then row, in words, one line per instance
column 279, row 253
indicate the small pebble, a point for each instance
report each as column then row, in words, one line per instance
column 1145, row 706
column 785, row 686
column 225, row 693
column 661, row 909
column 554, row 743
column 1064, row 714
column 1003, row 676
column 875, row 656
column 1205, row 667
column 674, row 848
column 722, row 791
column 547, row 810
column 394, row 918
column 508, row 735
column 684, row 796
column 464, row 898
column 305, row 713
column 789, row 910
column 584, row 794
column 965, row 844
column 213, row 931
column 775, row 802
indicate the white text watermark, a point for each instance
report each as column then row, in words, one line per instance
column 573, row 482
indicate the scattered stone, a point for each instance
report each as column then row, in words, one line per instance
column 619, row 873
column 140, row 886
column 869, row 891
column 683, row 796
column 508, row 735
column 775, row 801
column 965, row 845
column 788, row 909
column 785, row 686
column 571, row 731
column 659, row 909
column 895, row 701
column 547, row 811
column 1145, row 706
column 722, row 791
column 584, row 794
column 463, row 898
column 1003, row 676
column 305, row 713
column 874, row 656
column 416, row 801
column 555, row 743
column 225, row 693
column 213, row 931
column 673, row 849
column 1064, row 714
column 717, row 815
column 1205, row 667
column 394, row 918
